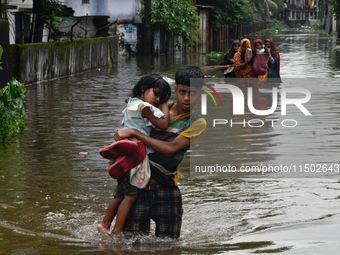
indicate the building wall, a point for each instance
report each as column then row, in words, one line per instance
column 124, row 11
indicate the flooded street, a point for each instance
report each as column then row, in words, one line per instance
column 54, row 187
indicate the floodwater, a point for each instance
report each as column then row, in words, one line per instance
column 54, row 185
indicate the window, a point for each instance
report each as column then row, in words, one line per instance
column 85, row 1
column 22, row 28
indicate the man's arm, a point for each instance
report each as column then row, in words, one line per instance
column 166, row 148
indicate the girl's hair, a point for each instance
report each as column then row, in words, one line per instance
column 157, row 83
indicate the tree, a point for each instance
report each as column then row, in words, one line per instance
column 52, row 8
column 178, row 16
column 336, row 8
column 45, row 14
column 336, row 11
column 230, row 12
column 1, row 51
column 267, row 7
column 147, row 33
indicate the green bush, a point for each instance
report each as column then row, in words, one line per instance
column 214, row 54
column 318, row 26
column 13, row 111
column 273, row 27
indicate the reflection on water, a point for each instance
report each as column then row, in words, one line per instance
column 52, row 197
column 308, row 56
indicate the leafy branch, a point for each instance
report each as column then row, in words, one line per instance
column 51, row 21
column 13, row 110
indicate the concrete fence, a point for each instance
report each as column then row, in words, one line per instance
column 31, row 63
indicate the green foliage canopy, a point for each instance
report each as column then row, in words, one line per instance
column 230, row 12
column 175, row 15
column 336, row 8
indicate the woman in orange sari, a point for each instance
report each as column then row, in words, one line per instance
column 243, row 67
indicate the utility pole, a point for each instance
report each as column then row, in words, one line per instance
column 2, row 9
column 38, row 22
column 147, row 31
column 4, row 42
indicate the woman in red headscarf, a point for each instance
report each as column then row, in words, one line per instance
column 260, row 61
column 243, row 67
column 274, row 60
column 258, row 46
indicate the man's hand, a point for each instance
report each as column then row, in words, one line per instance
column 123, row 133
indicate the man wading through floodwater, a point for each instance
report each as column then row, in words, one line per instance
column 161, row 200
